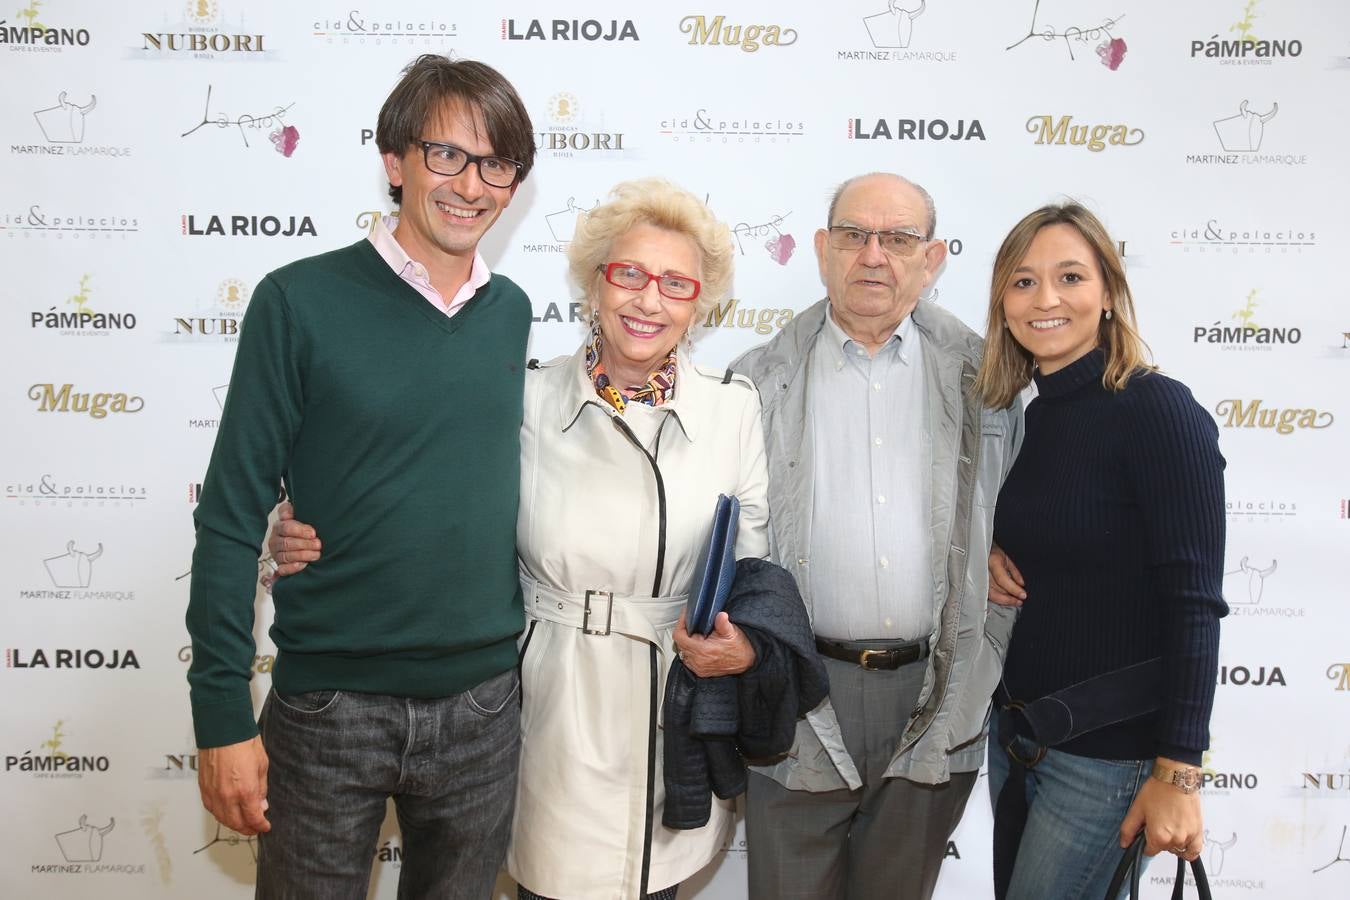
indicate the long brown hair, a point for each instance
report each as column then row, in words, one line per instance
column 1006, row 367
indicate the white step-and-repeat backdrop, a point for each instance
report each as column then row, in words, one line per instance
column 160, row 156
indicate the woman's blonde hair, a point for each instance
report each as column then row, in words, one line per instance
column 1006, row 367
column 651, row 201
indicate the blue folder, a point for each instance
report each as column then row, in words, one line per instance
column 716, row 568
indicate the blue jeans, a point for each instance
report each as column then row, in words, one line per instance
column 335, row 757
column 1071, row 844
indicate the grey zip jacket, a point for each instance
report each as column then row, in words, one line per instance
column 972, row 451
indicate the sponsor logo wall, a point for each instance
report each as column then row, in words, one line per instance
column 161, row 157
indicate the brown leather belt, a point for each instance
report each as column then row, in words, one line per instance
column 873, row 657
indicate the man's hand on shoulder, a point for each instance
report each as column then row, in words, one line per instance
column 233, row 782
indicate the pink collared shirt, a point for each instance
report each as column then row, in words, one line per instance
column 415, row 274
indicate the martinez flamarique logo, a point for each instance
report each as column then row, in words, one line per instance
column 377, row 32
column 284, row 137
column 890, row 35
column 83, row 320
column 1244, row 589
column 71, row 577
column 37, row 222
column 200, row 35
column 1110, row 48
column 52, row 761
column 83, row 849
column 915, row 130
column 248, row 226
column 1247, row 331
column 724, row 129
column 1244, row 43
column 568, row 30
column 716, row 31
column 1240, row 138
column 62, row 127
column 34, row 35
column 1061, row 131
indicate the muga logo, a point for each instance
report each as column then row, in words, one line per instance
column 52, row 760
column 717, row 32
column 730, row 128
column 1249, row 333
column 1245, row 47
column 37, row 222
column 248, row 226
column 98, row 405
column 1062, row 132
column 569, row 30
column 1251, row 414
column 915, row 130
column 16, row 658
column 1339, row 674
column 199, row 36
column 262, row 665
column 34, row 36
column 376, row 32
column 1216, row 236
column 83, row 320
column 1109, row 46
column 760, row 320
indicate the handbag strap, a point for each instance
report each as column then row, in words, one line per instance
column 1131, row 867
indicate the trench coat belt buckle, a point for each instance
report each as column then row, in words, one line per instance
column 591, row 615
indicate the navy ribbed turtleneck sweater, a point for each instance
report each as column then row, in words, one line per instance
column 1114, row 514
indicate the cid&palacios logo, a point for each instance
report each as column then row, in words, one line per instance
column 67, row 658
column 1223, row 236
column 62, row 126
column 217, row 315
column 571, row 132
column 1104, row 38
column 77, row 317
column 1249, row 41
column 728, row 129
column 589, row 30
column 1241, row 136
column 894, row 33
column 203, row 32
column 1063, row 131
column 67, row 398
column 936, row 129
column 719, row 31
column 55, row 760
column 38, row 222
column 1256, row 414
column 89, row 849
column 1246, row 329
column 360, row 30
column 53, row 491
column 216, row 225
column 283, row 135
column 1259, row 508
column 35, row 32
column 1245, row 590
column 71, row 577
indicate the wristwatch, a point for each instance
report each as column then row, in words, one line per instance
column 1185, row 778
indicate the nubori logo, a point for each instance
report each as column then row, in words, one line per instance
column 249, row 226
column 916, row 130
column 1062, row 131
column 715, row 32
column 570, row 30
column 1242, row 675
column 64, row 658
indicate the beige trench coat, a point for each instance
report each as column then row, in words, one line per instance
column 590, row 790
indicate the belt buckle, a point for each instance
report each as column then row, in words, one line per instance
column 865, row 658
column 1041, row 749
column 608, row 596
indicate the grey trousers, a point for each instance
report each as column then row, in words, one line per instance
column 449, row 764
column 884, row 840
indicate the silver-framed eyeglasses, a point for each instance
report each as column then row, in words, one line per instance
column 447, row 159
column 633, row 278
column 896, row 243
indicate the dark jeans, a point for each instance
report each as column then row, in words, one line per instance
column 335, row 757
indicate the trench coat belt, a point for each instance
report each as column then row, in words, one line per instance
column 600, row 613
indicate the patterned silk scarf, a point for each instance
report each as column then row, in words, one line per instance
column 659, row 389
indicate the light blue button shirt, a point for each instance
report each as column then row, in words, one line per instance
column 870, row 566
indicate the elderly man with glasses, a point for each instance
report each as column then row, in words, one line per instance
column 381, row 382
column 883, row 471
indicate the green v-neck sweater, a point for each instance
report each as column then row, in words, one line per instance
column 397, row 432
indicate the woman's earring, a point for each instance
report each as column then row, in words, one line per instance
column 1108, row 315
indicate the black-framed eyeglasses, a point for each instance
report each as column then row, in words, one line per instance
column 447, row 159
column 896, row 243
column 633, row 278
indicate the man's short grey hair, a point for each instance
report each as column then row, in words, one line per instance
column 927, row 199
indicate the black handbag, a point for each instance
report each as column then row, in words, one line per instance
column 1131, row 867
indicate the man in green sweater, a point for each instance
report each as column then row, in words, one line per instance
column 381, row 382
